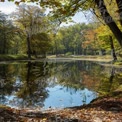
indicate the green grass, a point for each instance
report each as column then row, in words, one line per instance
column 82, row 56
column 3, row 107
column 13, row 57
column 119, row 61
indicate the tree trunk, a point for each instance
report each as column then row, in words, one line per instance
column 111, row 79
column 112, row 48
column 4, row 44
column 56, row 49
column 119, row 4
column 109, row 20
column 28, row 46
column 28, row 72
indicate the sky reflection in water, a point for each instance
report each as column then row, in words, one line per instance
column 53, row 84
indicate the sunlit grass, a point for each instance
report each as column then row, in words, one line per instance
column 3, row 106
column 13, row 57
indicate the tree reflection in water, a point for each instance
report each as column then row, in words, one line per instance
column 110, row 80
column 27, row 84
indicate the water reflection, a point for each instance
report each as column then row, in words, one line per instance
column 54, row 84
column 110, row 79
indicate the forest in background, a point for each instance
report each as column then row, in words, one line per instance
column 30, row 31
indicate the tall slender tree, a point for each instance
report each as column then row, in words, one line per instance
column 29, row 18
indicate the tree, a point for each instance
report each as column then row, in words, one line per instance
column 41, row 43
column 7, row 33
column 69, row 40
column 3, row 29
column 106, row 40
column 90, row 42
column 29, row 18
column 109, row 20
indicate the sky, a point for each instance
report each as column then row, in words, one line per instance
column 8, row 7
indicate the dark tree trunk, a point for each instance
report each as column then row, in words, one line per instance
column 28, row 46
column 56, row 49
column 112, row 48
column 4, row 45
column 111, row 78
column 28, row 71
column 28, row 80
column 119, row 4
column 109, row 20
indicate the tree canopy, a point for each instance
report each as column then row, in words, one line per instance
column 62, row 10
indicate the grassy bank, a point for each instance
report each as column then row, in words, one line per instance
column 14, row 57
column 81, row 56
column 105, row 58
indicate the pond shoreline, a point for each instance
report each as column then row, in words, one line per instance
column 25, row 57
column 88, row 58
column 101, row 61
column 107, row 109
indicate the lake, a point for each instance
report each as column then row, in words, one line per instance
column 55, row 83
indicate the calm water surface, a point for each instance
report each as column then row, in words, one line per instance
column 55, row 84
